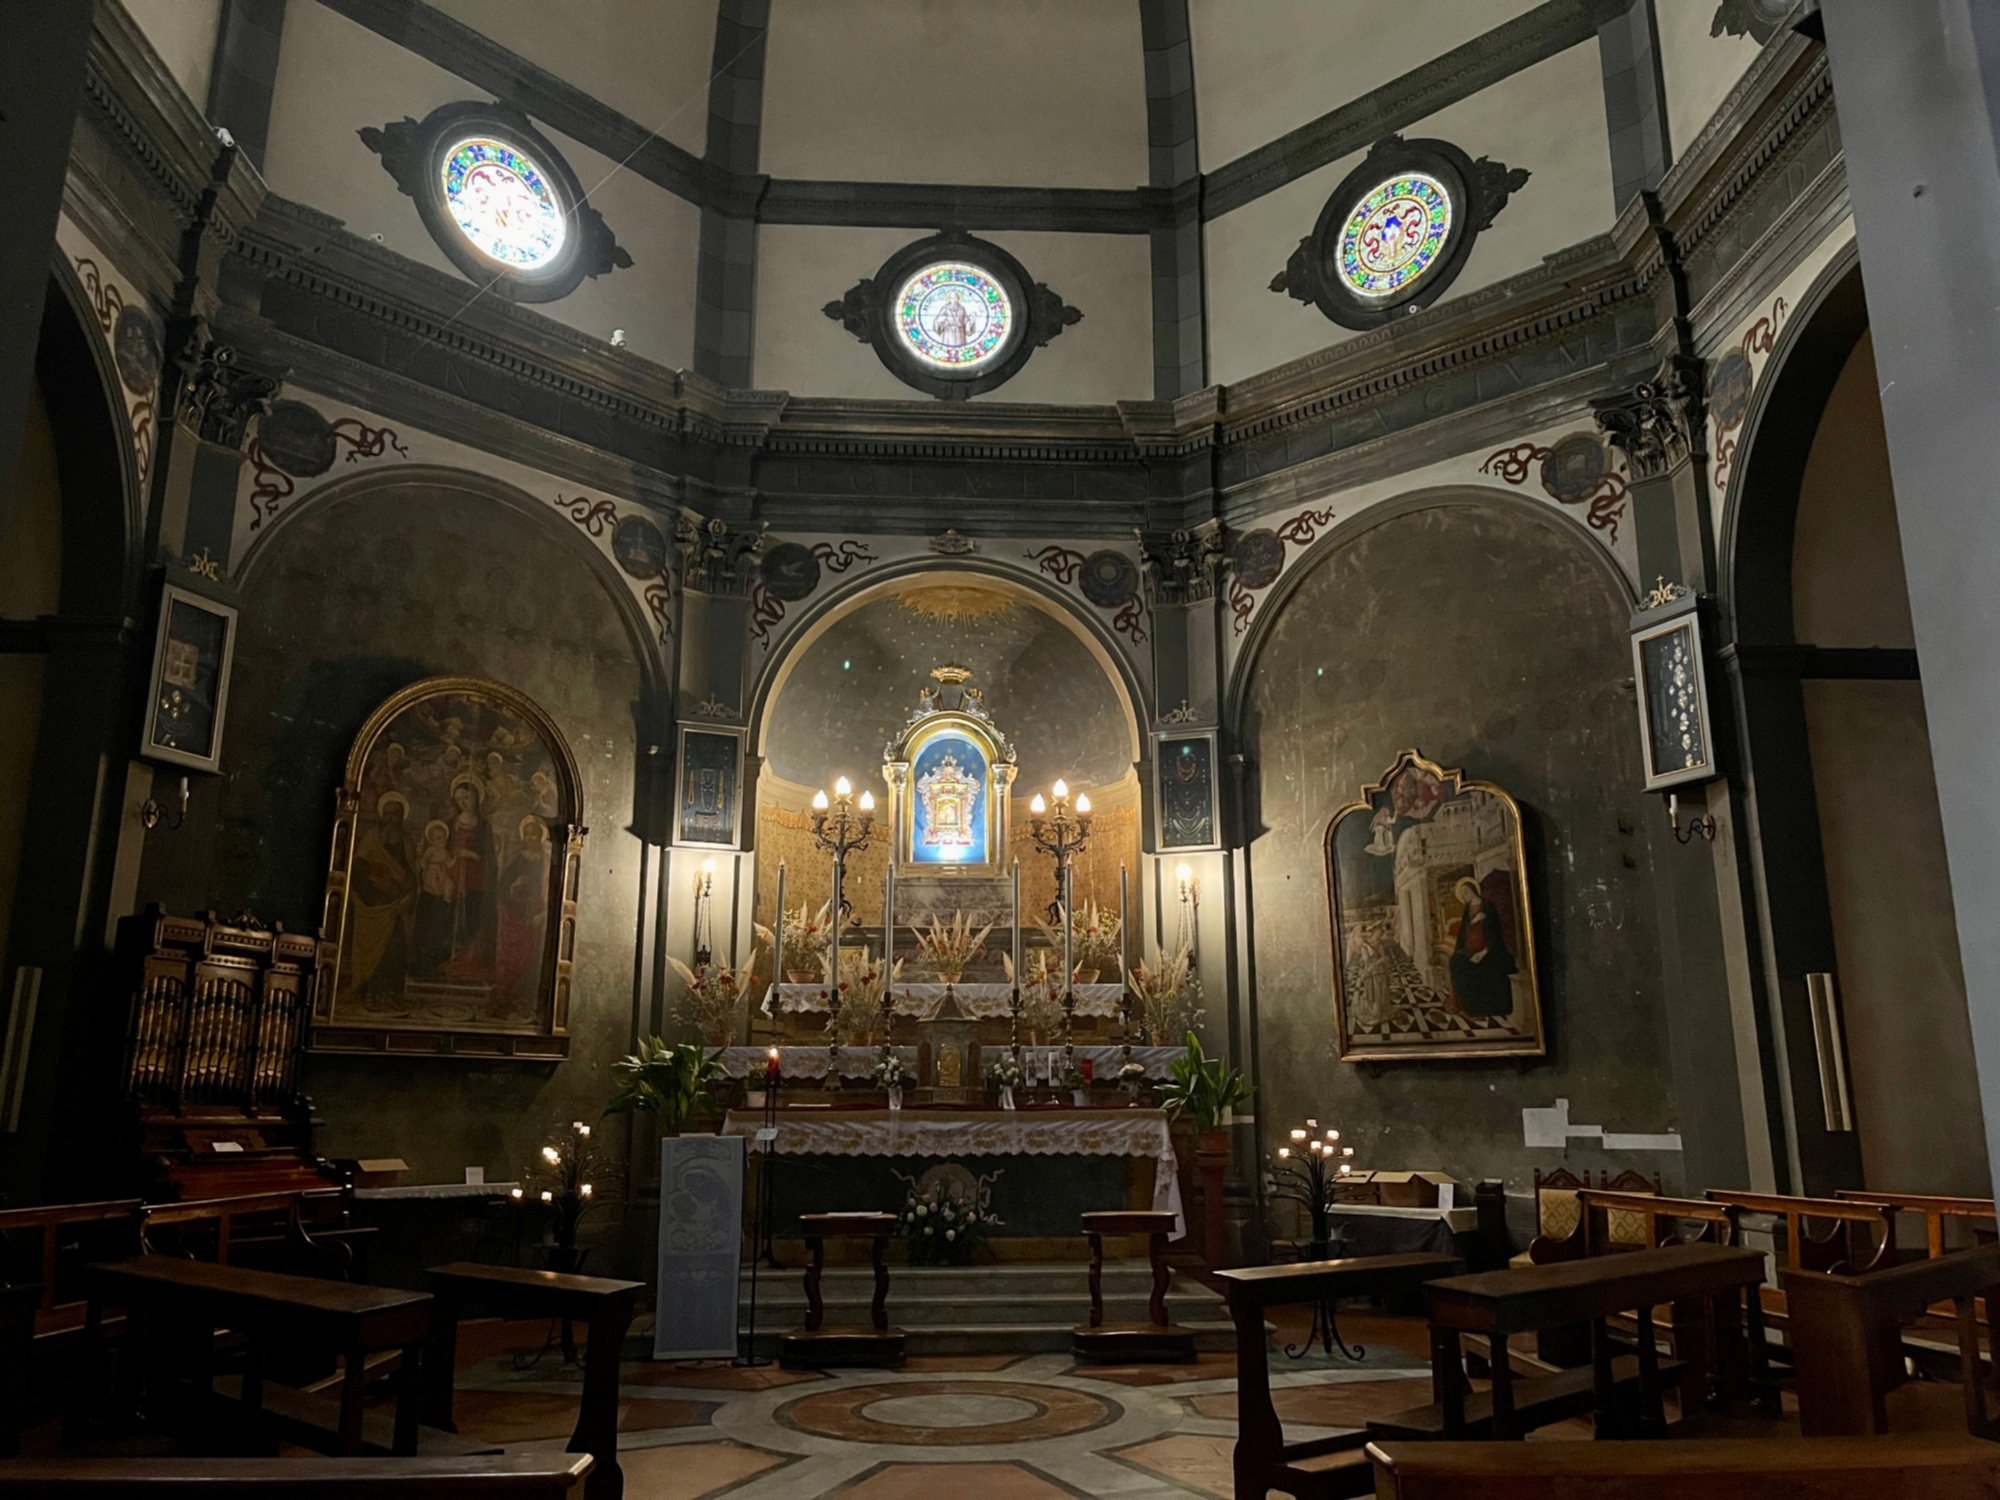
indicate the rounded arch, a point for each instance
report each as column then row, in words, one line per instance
column 1760, row 507
column 1366, row 520
column 888, row 577
column 368, row 483
column 102, row 507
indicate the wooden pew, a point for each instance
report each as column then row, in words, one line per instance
column 1846, row 1340
column 604, row 1306
column 1264, row 1461
column 1921, row 1342
column 17, row 1345
column 537, row 1476
column 1862, row 1236
column 112, row 1222
column 305, row 1232
column 1873, row 1468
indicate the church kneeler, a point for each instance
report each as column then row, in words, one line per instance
column 1157, row 1338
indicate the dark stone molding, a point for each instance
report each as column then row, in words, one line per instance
column 1823, row 663
column 900, row 205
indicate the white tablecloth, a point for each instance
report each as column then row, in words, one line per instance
column 858, row 1062
column 999, row 1132
column 923, row 1001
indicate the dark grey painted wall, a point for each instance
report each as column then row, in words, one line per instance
column 354, row 598
column 1493, row 642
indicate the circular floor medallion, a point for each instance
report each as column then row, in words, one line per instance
column 948, row 1413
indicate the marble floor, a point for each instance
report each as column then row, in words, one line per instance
column 996, row 1427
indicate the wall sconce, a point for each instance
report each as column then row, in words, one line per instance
column 1703, row 825
column 150, row 811
column 704, row 939
column 1188, row 930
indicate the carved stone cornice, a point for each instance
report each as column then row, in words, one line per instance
column 1653, row 423
column 1180, row 566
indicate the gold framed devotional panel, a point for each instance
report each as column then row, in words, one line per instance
column 1433, row 936
column 451, row 888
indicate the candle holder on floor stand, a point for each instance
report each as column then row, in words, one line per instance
column 1063, row 835
column 760, row 1217
column 841, row 827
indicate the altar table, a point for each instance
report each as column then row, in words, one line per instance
column 942, row 1133
column 809, row 1062
column 982, row 1002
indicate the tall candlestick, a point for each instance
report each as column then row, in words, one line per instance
column 1017, row 922
column 1069, row 928
column 1121, row 928
column 888, row 929
column 778, row 958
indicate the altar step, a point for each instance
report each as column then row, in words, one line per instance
column 986, row 1309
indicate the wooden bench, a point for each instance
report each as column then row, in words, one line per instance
column 1264, row 1461
column 60, row 1228
column 540, row 1476
column 1892, row 1468
column 189, row 1299
column 1503, row 1304
column 816, row 1346
column 1846, row 1337
column 17, row 1347
column 602, row 1305
column 1155, row 1339
column 1936, row 1211
column 305, row 1231
column 1859, row 1237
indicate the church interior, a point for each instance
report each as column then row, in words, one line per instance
column 723, row 773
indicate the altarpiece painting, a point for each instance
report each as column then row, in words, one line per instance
column 451, row 890
column 1433, row 943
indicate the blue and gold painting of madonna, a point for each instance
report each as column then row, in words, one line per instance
column 949, row 806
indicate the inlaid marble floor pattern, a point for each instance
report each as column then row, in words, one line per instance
column 998, row 1427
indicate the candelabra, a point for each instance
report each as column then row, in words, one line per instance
column 1063, row 835
column 841, row 828
column 1309, row 1171
column 704, row 939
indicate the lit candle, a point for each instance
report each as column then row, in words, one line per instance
column 1121, row 934
column 771, row 1067
column 842, row 788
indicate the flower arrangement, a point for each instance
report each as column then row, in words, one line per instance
column 950, row 949
column 1006, row 1072
column 941, row 1226
column 1309, row 1171
column 564, row 1177
column 669, row 1081
column 889, row 1072
column 863, row 984
column 1094, row 936
column 1041, row 992
column 1166, row 1006
column 806, row 940
column 714, row 993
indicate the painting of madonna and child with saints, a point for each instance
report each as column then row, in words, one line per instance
column 461, row 798
column 1434, row 952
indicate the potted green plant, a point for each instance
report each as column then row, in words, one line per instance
column 669, row 1080
column 1204, row 1089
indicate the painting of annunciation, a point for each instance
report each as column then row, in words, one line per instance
column 1433, row 940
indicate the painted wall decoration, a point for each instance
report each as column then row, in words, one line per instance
column 136, row 351
column 1102, row 581
column 295, row 441
column 628, row 545
column 1731, row 383
column 1257, row 558
column 451, row 890
column 1575, row 470
column 1185, row 793
column 794, row 576
column 640, row 547
column 190, row 683
column 1433, row 941
column 709, row 812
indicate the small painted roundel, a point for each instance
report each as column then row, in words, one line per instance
column 954, row 316
column 1108, row 578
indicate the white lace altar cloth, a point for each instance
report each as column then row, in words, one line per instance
column 859, row 1062
column 995, row 1132
column 983, row 1002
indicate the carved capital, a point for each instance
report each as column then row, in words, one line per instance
column 717, row 558
column 220, row 391
column 1653, row 423
column 1179, row 567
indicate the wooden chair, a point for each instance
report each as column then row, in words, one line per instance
column 65, row 1237
column 1559, row 1218
column 531, row 1476
column 1846, row 1337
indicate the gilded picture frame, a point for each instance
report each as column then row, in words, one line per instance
column 193, row 647
column 1432, row 931
column 449, row 923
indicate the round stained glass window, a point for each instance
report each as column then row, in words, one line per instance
column 504, row 204
column 1395, row 234
column 954, row 316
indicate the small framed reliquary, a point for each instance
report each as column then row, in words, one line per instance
column 1674, row 728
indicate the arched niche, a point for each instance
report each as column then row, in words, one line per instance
column 842, row 691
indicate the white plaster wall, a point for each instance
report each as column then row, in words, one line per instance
column 1263, row 67
column 1699, row 69
column 183, row 33
column 1250, row 327
column 648, row 59
column 1548, row 118
column 316, row 157
column 1106, row 357
column 1040, row 93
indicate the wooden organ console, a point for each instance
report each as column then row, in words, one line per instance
column 215, row 1024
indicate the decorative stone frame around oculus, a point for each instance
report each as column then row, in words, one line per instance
column 952, row 262
column 417, row 153
column 1451, row 197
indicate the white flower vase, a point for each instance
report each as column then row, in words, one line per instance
column 1006, row 1096
column 896, row 1096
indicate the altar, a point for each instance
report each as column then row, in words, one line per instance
column 1137, row 1139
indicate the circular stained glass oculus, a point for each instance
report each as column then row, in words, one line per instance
column 954, row 316
column 1394, row 234
column 504, row 203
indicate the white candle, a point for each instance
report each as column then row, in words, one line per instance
column 778, row 958
column 888, row 925
column 1121, row 928
column 1017, row 923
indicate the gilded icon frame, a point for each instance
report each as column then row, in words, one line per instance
column 1678, row 614
column 688, row 834
column 190, row 669
column 1368, row 965
column 1166, row 747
